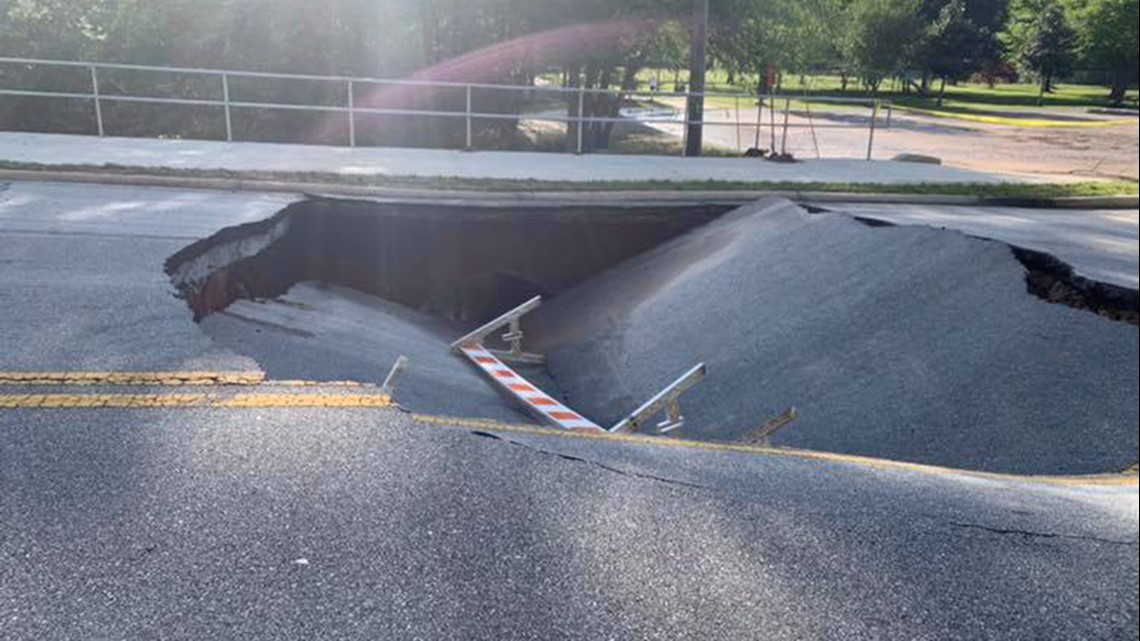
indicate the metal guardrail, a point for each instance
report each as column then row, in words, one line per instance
column 351, row 109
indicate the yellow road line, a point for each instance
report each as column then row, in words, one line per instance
column 1031, row 123
column 298, row 383
column 1128, row 478
column 44, row 401
column 132, row 378
column 306, row 400
column 89, row 401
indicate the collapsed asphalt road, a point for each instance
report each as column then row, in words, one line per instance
column 335, row 523
column 908, row 343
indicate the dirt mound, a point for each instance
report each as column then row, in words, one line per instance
column 905, row 342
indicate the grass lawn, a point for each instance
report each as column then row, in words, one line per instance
column 1003, row 104
column 961, row 96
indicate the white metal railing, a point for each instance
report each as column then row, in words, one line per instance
column 351, row 108
column 490, row 361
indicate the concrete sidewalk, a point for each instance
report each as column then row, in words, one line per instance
column 60, row 150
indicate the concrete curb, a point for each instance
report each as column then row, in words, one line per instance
column 712, row 196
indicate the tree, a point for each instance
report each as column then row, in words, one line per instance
column 1042, row 39
column 882, row 37
column 672, row 47
column 750, row 36
column 1107, row 38
column 955, row 46
column 606, row 45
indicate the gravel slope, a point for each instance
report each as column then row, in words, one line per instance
column 904, row 342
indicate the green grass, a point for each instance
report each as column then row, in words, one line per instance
column 747, row 106
column 963, row 95
column 1002, row 104
column 984, row 190
column 1008, row 95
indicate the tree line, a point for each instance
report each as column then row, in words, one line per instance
column 924, row 40
column 597, row 44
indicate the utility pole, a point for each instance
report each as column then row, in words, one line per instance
column 696, row 104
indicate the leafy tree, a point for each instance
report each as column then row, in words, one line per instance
column 672, row 48
column 750, row 36
column 1107, row 38
column 986, row 16
column 955, row 46
column 882, row 38
column 1041, row 37
column 51, row 28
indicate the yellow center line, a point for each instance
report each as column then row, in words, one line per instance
column 132, row 378
column 87, row 401
column 44, row 401
column 306, row 400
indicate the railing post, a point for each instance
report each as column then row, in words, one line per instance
column 736, row 107
column 98, row 107
column 871, row 136
column 351, row 117
column 468, row 116
column 581, row 119
column 759, row 119
column 760, row 436
column 389, row 386
column 665, row 400
column 513, row 337
column 226, row 106
column 685, row 125
column 784, row 135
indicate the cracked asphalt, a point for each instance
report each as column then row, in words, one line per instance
column 337, row 523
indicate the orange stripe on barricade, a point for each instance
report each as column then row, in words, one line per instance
column 565, row 416
column 539, row 403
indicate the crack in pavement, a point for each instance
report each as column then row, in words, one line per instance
column 578, row 459
column 652, row 477
column 1043, row 535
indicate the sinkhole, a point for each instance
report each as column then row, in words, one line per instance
column 910, row 343
column 462, row 263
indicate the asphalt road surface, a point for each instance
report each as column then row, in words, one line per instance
column 1100, row 244
column 191, row 522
